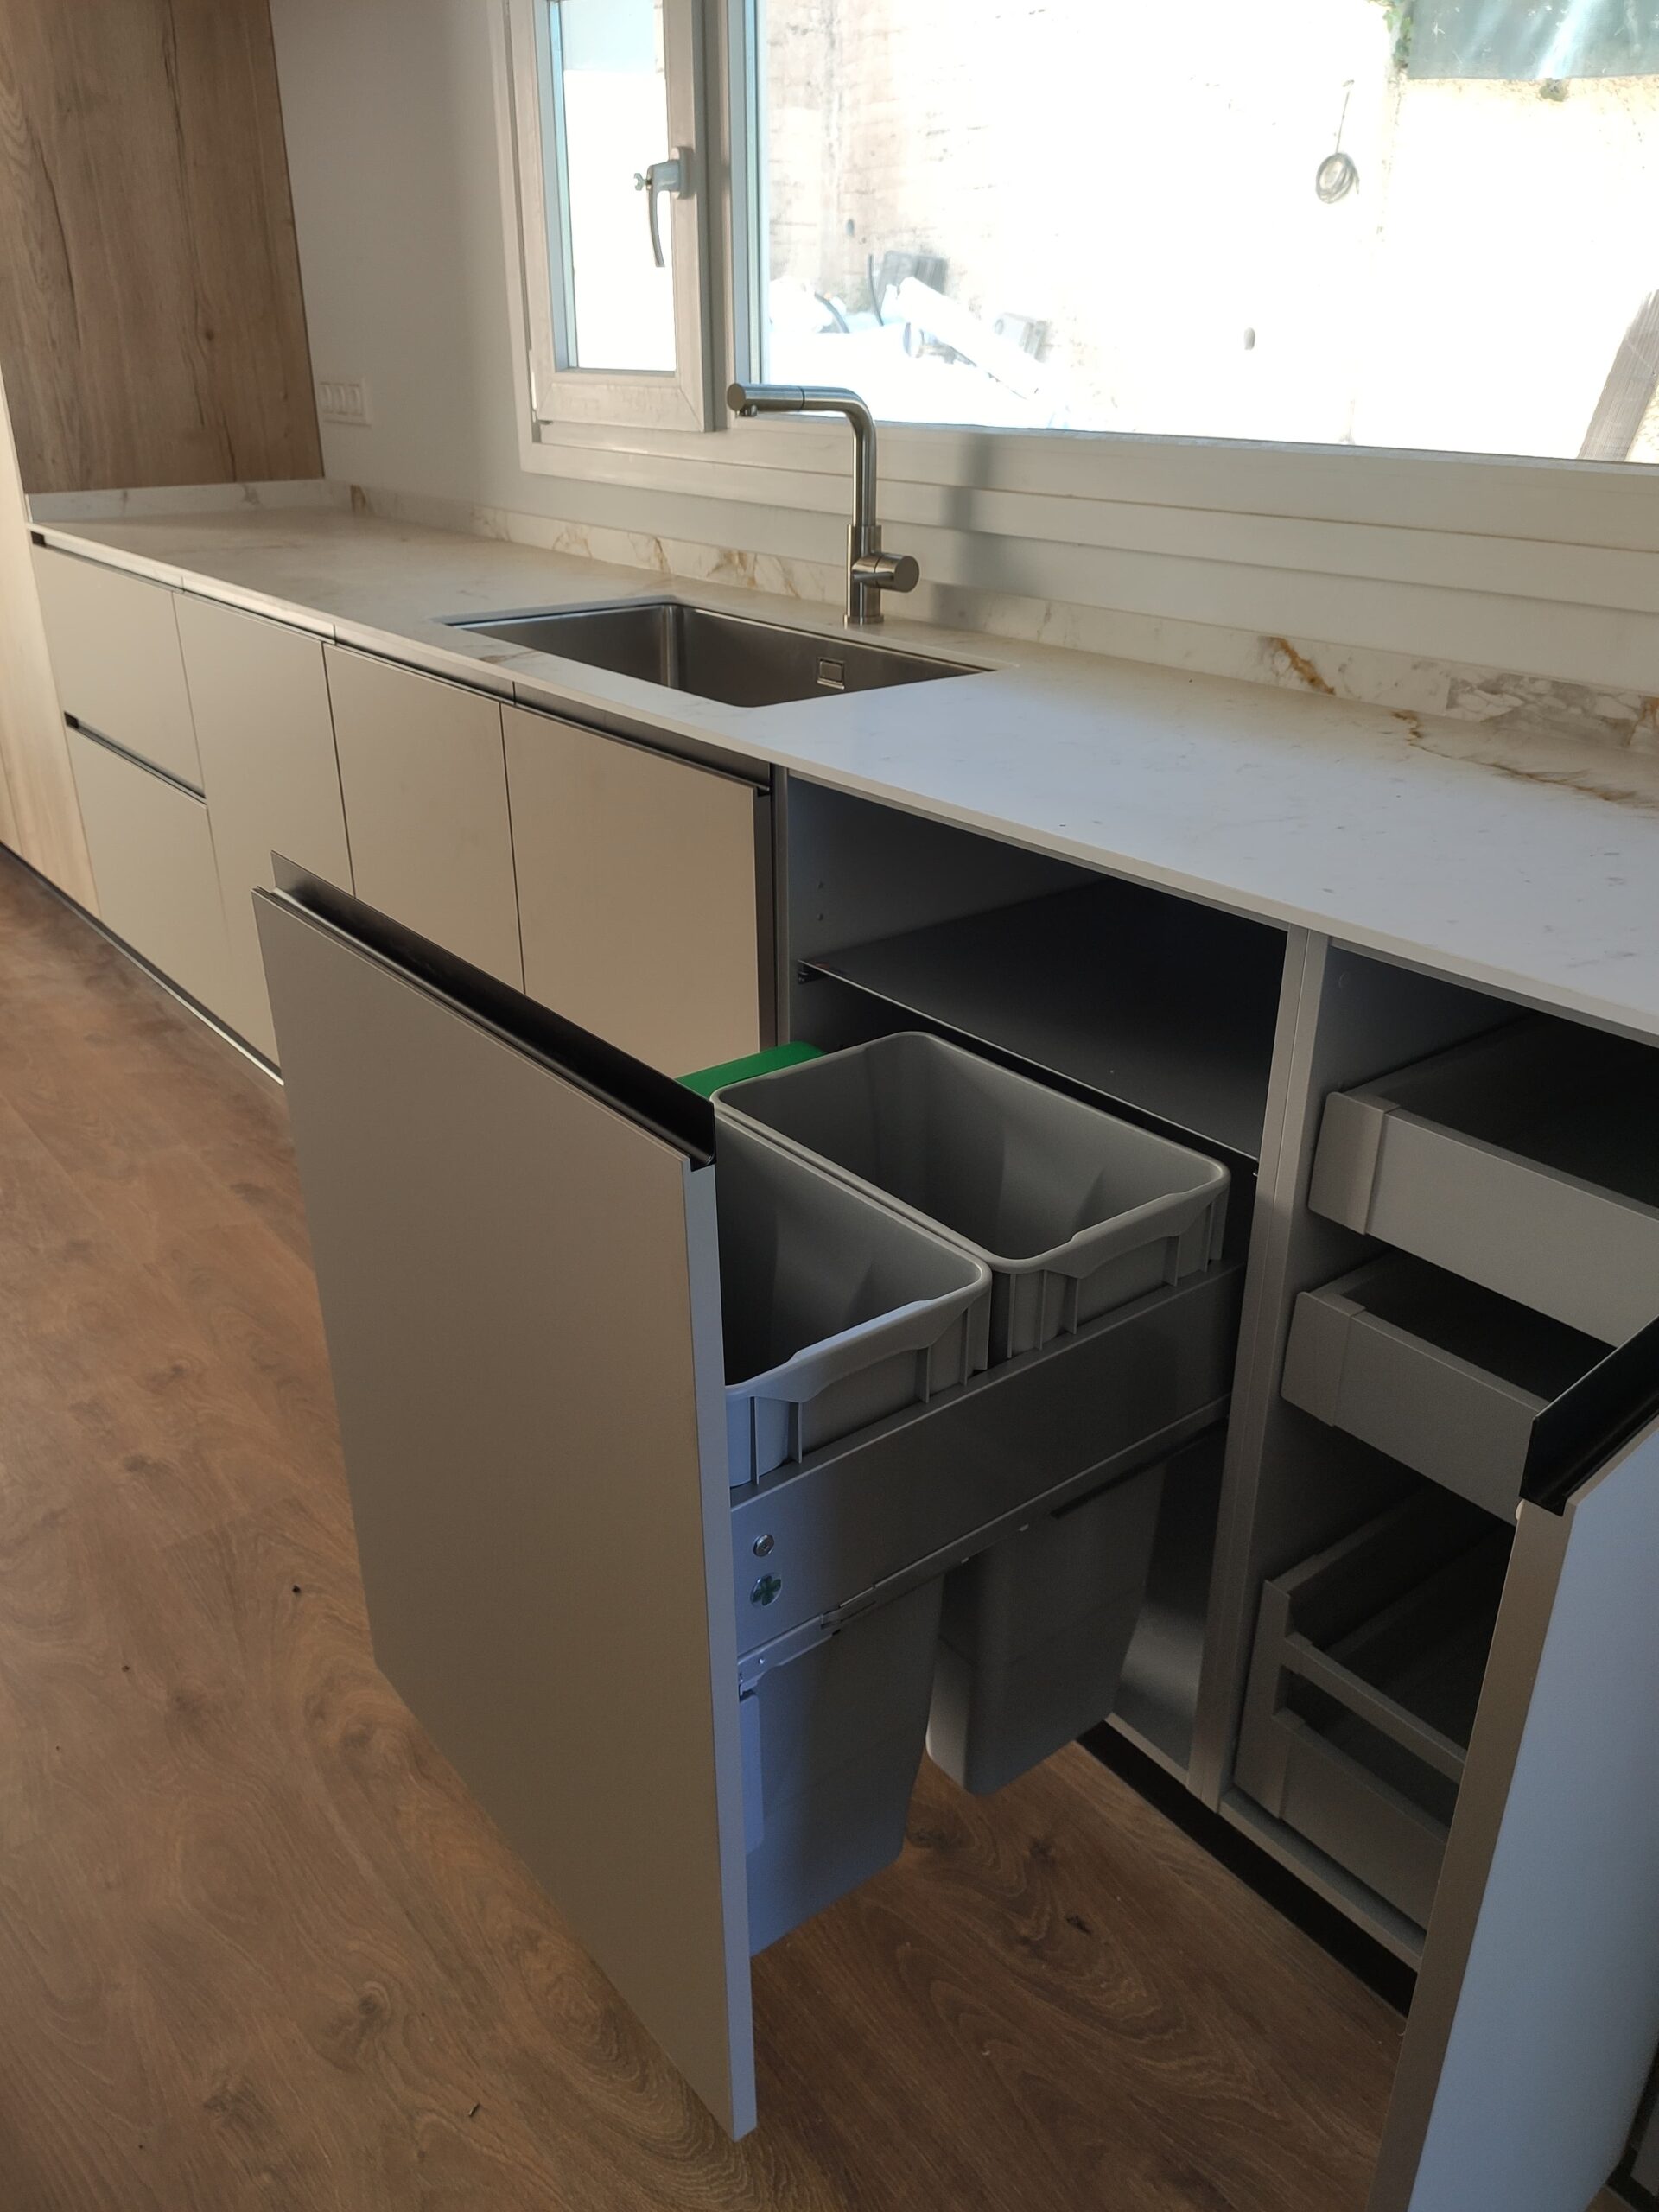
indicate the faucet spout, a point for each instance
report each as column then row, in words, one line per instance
column 869, row 570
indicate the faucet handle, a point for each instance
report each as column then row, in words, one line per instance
column 770, row 399
column 887, row 571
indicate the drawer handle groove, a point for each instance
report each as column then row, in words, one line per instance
column 136, row 759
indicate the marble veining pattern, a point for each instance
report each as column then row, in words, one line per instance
column 1531, row 712
column 1531, row 709
column 57, row 507
column 1493, row 842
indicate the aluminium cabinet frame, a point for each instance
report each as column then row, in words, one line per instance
column 1538, row 2008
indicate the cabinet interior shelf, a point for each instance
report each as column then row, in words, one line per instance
column 1151, row 1002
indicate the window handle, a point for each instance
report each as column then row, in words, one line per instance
column 673, row 176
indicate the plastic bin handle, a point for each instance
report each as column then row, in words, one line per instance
column 917, row 1327
column 1097, row 1242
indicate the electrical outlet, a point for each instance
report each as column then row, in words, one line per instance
column 344, row 399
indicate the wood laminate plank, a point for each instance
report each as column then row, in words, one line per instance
column 151, row 325
column 257, row 1945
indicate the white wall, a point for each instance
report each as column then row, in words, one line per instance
column 388, row 112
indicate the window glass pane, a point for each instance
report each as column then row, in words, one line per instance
column 1283, row 221
column 610, row 117
column 1544, row 39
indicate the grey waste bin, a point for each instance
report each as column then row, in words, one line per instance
column 1034, row 1632
column 837, row 1312
column 831, row 1742
column 1074, row 1211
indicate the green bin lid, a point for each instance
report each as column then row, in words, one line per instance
column 706, row 1081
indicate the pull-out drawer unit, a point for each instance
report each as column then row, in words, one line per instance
column 555, row 1287
column 1073, row 1211
column 1480, row 1394
column 1525, row 1162
column 1363, row 1685
column 115, row 650
column 1077, row 1214
column 152, row 855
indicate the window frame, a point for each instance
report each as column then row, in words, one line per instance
column 556, row 395
column 1479, row 529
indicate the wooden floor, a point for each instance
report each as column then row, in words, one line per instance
column 256, row 1949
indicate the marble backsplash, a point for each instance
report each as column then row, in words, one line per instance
column 63, row 508
column 1502, row 716
column 1505, row 708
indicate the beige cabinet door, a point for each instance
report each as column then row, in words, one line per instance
column 46, row 814
column 425, row 787
column 115, row 652
column 638, row 893
column 259, row 697
column 519, row 1273
column 152, row 857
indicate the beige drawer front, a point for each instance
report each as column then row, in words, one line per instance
column 260, row 699
column 1524, row 1162
column 115, row 652
column 637, row 892
column 1463, row 1385
column 424, row 781
column 152, row 857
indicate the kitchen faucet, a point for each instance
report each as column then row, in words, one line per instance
column 869, row 570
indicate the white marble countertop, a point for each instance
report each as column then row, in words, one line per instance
column 1536, row 874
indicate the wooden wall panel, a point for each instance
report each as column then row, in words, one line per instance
column 8, row 812
column 151, row 325
column 45, row 811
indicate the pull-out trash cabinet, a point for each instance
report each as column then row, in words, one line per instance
column 1075, row 1212
column 534, row 1290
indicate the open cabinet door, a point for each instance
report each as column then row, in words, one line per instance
column 514, row 1232
column 1532, row 2033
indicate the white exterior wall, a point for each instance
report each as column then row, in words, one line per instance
column 1142, row 180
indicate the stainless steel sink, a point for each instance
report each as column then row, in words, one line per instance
column 732, row 657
